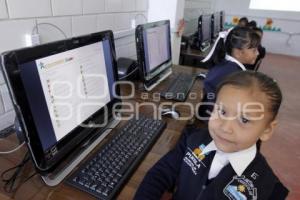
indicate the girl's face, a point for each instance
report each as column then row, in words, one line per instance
column 248, row 56
column 240, row 118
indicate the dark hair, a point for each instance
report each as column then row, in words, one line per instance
column 252, row 24
column 243, row 20
column 257, row 29
column 241, row 38
column 267, row 85
column 238, row 37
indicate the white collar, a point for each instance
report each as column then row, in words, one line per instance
column 239, row 160
column 232, row 59
column 222, row 34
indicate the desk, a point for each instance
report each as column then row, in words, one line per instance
column 192, row 57
column 35, row 189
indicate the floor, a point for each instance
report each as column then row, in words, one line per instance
column 283, row 150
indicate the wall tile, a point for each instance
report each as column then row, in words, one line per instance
column 84, row 25
column 93, row 6
column 105, row 22
column 3, row 10
column 126, row 51
column 128, row 5
column 122, row 21
column 49, row 33
column 6, row 98
column 113, row 5
column 2, row 110
column 66, row 7
column 125, row 40
column 28, row 8
column 7, row 120
column 1, row 78
column 140, row 17
column 141, row 5
column 13, row 33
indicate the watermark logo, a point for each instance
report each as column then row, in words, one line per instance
column 78, row 101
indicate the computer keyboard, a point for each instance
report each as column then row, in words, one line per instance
column 105, row 173
column 179, row 88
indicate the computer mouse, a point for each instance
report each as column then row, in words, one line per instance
column 170, row 113
column 202, row 75
column 127, row 69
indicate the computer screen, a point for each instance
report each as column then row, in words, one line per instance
column 153, row 44
column 59, row 89
column 191, row 27
column 204, row 29
column 216, row 24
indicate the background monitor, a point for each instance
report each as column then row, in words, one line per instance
column 215, row 24
column 204, row 29
column 153, row 44
column 222, row 18
column 191, row 27
column 59, row 89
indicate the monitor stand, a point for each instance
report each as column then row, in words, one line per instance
column 53, row 179
column 161, row 77
column 204, row 48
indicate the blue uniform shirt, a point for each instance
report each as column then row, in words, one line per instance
column 218, row 73
column 184, row 171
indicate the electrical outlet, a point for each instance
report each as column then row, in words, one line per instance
column 35, row 38
column 32, row 40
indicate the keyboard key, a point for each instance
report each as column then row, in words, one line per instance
column 104, row 174
column 179, row 87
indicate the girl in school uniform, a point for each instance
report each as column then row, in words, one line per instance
column 240, row 48
column 222, row 162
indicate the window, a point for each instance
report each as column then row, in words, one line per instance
column 280, row 5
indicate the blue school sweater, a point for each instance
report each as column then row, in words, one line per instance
column 186, row 174
column 217, row 74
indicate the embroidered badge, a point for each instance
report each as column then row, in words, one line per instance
column 198, row 152
column 193, row 158
column 240, row 188
column 254, row 175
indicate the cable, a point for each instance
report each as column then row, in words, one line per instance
column 124, row 77
column 140, row 14
column 9, row 183
column 27, row 179
column 13, row 150
column 49, row 24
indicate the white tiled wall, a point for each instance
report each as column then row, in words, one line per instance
column 66, row 7
column 93, row 6
column 194, row 8
column 3, row 10
column 113, row 5
column 49, row 33
column 32, row 8
column 84, row 24
column 105, row 22
column 73, row 17
column 5, row 98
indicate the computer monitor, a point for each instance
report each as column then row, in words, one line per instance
column 63, row 94
column 222, row 18
column 153, row 45
column 204, row 31
column 191, row 27
column 215, row 24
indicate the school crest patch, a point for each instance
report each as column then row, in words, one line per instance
column 240, row 188
column 193, row 158
column 198, row 152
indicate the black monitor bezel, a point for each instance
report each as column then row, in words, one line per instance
column 10, row 65
column 200, row 29
column 140, row 47
column 222, row 17
column 215, row 16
